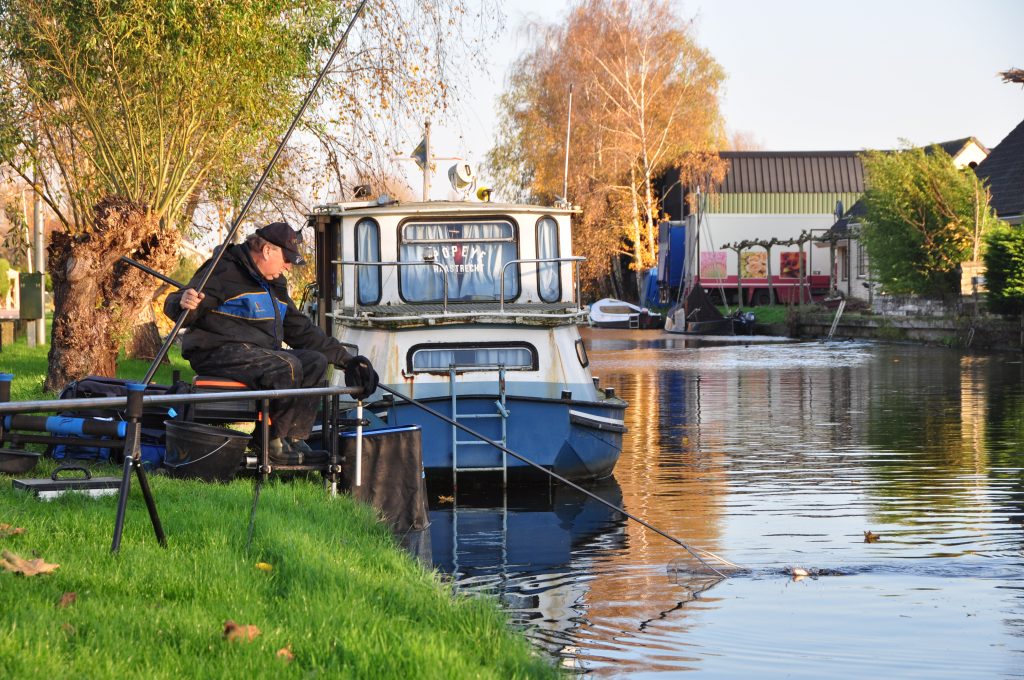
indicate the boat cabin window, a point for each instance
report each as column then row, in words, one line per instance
column 438, row 358
column 549, row 284
column 368, row 250
column 469, row 255
column 581, row 353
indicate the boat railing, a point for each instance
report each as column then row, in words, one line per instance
column 381, row 265
column 445, row 311
column 574, row 259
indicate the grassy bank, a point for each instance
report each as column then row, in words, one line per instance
column 323, row 581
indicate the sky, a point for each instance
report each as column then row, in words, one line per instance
column 818, row 75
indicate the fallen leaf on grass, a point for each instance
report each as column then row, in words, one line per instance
column 445, row 499
column 7, row 530
column 67, row 599
column 68, row 629
column 234, row 632
column 264, row 566
column 19, row 565
column 286, row 654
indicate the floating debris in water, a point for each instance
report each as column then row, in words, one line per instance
column 871, row 537
column 800, row 573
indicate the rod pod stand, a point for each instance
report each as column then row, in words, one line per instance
column 133, row 460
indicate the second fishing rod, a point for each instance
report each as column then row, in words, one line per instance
column 699, row 554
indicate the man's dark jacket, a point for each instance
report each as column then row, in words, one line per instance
column 242, row 306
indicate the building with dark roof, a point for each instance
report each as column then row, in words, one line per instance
column 851, row 259
column 1003, row 170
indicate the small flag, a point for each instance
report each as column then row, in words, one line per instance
column 419, row 154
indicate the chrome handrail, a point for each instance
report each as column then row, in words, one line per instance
column 355, row 300
column 572, row 258
column 575, row 259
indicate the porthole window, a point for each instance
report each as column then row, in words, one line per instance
column 581, row 353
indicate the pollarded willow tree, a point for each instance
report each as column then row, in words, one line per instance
column 645, row 95
column 924, row 217
column 140, row 110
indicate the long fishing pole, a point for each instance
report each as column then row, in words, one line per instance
column 698, row 553
column 248, row 203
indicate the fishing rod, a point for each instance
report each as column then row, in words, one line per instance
column 248, row 203
column 698, row 553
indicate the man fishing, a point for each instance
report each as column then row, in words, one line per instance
column 236, row 327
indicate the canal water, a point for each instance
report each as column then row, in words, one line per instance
column 775, row 457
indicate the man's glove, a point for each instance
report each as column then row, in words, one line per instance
column 359, row 373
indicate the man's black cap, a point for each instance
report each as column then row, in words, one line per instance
column 286, row 238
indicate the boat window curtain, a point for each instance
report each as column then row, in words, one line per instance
column 368, row 250
column 473, row 255
column 549, row 286
column 473, row 358
column 424, row 283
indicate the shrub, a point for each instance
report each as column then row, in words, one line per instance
column 1004, row 264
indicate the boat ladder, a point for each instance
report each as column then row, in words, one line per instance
column 501, row 412
column 835, row 321
column 634, row 321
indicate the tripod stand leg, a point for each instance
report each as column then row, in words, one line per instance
column 147, row 494
column 252, row 513
column 122, row 503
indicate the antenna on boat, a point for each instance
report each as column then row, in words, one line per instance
column 421, row 154
column 568, row 129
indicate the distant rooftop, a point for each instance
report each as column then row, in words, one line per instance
column 1004, row 170
column 809, row 172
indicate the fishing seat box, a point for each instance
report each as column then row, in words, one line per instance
column 233, row 411
column 57, row 485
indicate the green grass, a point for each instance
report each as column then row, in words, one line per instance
column 763, row 314
column 29, row 368
column 341, row 595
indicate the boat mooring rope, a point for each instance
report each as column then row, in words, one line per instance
column 699, row 554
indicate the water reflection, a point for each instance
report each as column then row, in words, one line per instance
column 776, row 456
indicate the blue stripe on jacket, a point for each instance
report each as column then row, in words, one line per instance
column 252, row 306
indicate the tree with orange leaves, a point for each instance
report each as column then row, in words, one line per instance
column 645, row 98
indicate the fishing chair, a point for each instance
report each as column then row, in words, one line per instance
column 245, row 411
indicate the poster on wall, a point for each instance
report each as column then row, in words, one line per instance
column 790, row 265
column 712, row 265
column 754, row 264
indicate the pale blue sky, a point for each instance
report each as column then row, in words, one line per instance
column 820, row 75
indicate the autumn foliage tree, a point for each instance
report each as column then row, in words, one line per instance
column 924, row 217
column 140, row 110
column 645, row 95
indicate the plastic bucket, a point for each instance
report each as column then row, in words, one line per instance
column 206, row 452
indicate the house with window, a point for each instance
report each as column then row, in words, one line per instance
column 764, row 195
column 853, row 277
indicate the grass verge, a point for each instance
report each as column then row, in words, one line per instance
column 339, row 595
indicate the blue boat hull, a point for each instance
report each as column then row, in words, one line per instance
column 578, row 440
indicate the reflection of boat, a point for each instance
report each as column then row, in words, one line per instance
column 532, row 532
column 471, row 308
column 699, row 316
column 612, row 313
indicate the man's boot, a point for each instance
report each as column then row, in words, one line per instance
column 279, row 452
column 310, row 455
